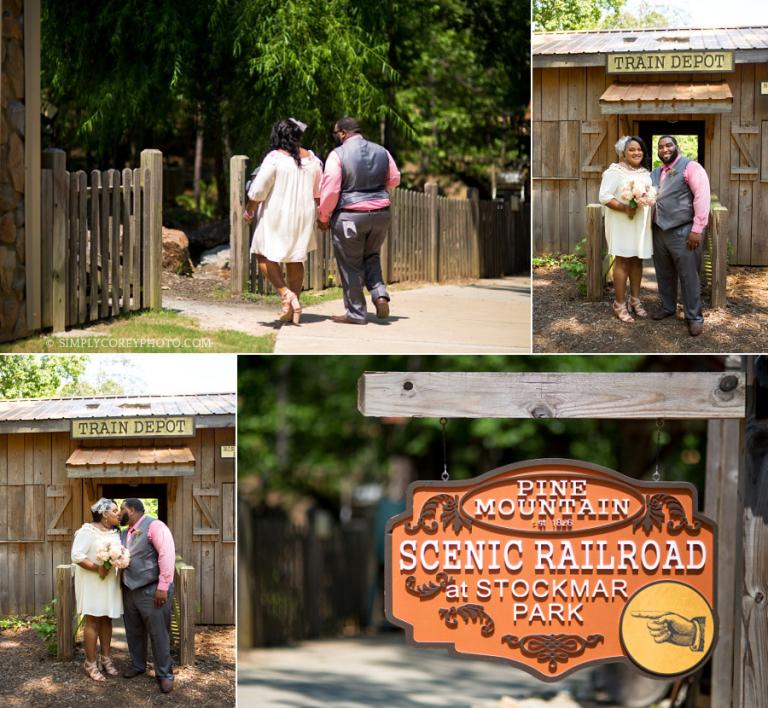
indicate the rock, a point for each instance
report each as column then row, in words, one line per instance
column 21, row 245
column 13, row 67
column 9, row 313
column 15, row 114
column 208, row 237
column 176, row 252
column 16, row 162
column 8, row 229
column 9, row 198
column 7, row 269
column 214, row 262
column 20, row 214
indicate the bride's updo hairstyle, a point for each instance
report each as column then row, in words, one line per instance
column 98, row 509
column 621, row 148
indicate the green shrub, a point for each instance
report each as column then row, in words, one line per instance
column 45, row 626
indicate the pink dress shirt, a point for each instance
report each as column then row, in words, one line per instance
column 696, row 178
column 159, row 535
column 330, row 187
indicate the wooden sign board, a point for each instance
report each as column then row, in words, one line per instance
column 554, row 565
column 228, row 452
column 670, row 62
column 152, row 427
column 764, row 88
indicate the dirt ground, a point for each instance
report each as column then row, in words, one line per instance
column 208, row 288
column 563, row 320
column 31, row 678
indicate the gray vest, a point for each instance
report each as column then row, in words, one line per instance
column 364, row 170
column 674, row 202
column 143, row 568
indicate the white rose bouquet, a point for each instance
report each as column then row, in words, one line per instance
column 638, row 194
column 112, row 554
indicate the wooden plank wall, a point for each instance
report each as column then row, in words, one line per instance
column 34, row 487
column 566, row 98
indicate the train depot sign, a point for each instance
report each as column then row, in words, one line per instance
column 554, row 565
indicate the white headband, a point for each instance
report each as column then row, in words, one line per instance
column 621, row 145
column 101, row 506
column 298, row 124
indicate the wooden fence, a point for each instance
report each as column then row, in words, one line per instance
column 298, row 582
column 431, row 238
column 100, row 251
column 714, row 263
column 182, row 613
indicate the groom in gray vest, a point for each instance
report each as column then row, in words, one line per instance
column 147, row 585
column 680, row 216
column 354, row 203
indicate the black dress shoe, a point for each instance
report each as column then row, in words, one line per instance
column 382, row 307
column 660, row 314
column 343, row 319
column 166, row 685
column 695, row 327
column 130, row 673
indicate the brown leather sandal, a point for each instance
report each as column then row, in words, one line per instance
column 91, row 669
column 620, row 310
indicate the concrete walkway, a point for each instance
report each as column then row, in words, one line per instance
column 481, row 317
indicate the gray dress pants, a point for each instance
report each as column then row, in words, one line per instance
column 357, row 240
column 143, row 619
column 672, row 260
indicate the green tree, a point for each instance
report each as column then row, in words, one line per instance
column 645, row 16
column 564, row 15
column 30, row 376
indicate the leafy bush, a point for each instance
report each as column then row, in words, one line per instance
column 574, row 264
column 45, row 626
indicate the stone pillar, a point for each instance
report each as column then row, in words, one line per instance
column 12, row 127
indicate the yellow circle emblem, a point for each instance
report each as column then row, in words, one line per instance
column 667, row 628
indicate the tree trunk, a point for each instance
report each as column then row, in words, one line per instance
column 198, row 155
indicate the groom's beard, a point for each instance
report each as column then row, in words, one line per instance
column 671, row 158
column 123, row 519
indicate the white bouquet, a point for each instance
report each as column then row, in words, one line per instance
column 638, row 194
column 112, row 554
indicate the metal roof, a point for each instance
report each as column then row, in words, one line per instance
column 63, row 409
column 692, row 97
column 648, row 40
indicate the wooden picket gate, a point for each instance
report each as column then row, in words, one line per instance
column 431, row 238
column 101, row 242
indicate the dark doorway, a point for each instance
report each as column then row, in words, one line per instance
column 650, row 129
column 140, row 491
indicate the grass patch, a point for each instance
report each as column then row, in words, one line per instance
column 575, row 264
column 153, row 331
column 308, row 297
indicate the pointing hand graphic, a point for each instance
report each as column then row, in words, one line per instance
column 675, row 629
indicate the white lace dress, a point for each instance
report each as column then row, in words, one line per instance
column 99, row 597
column 626, row 237
column 285, row 230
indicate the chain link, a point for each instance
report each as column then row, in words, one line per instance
column 445, row 476
column 656, row 476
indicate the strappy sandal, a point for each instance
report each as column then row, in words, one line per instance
column 637, row 307
column 291, row 307
column 108, row 667
column 91, row 669
column 620, row 310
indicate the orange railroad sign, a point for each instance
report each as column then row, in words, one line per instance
column 554, row 565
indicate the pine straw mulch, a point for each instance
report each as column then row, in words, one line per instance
column 31, row 678
column 563, row 320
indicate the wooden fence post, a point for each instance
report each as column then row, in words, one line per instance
column 724, row 445
column 430, row 189
column 65, row 610
column 185, row 595
column 54, row 244
column 153, row 160
column 718, row 244
column 595, row 233
column 239, row 248
column 751, row 628
column 473, row 195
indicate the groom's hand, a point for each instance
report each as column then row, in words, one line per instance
column 161, row 597
column 323, row 225
column 694, row 240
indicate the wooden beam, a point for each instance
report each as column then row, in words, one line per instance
column 553, row 395
column 751, row 655
column 65, row 609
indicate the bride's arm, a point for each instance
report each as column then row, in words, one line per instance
column 79, row 554
column 608, row 188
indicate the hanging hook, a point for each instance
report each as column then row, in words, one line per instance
column 657, row 472
column 445, row 475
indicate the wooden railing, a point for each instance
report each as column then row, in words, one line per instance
column 431, row 238
column 100, row 253
column 182, row 613
column 714, row 265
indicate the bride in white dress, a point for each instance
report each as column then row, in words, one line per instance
column 97, row 590
column 627, row 225
column 283, row 197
